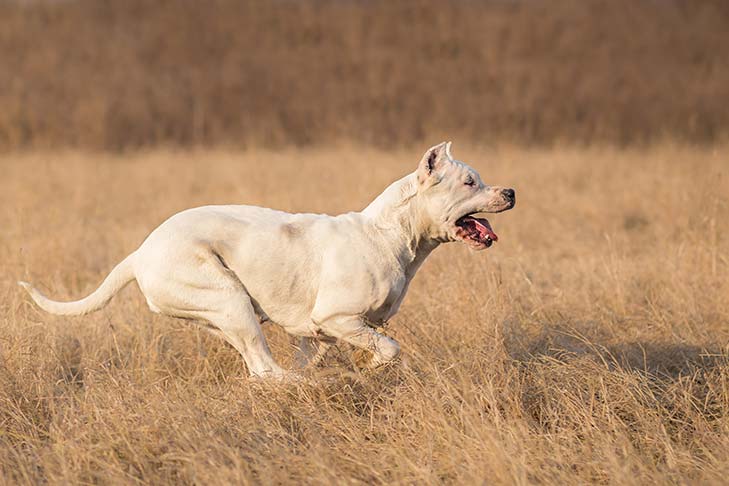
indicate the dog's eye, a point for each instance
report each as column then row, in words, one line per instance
column 469, row 181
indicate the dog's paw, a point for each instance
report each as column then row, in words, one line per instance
column 364, row 359
column 280, row 377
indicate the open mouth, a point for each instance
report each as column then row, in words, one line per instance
column 475, row 231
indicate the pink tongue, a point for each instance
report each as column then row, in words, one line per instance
column 484, row 228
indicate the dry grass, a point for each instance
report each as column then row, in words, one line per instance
column 588, row 345
column 138, row 73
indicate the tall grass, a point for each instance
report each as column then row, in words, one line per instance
column 588, row 345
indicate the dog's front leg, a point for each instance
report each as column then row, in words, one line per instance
column 353, row 330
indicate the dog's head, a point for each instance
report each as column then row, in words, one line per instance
column 452, row 194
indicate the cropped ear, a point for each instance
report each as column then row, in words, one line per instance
column 433, row 161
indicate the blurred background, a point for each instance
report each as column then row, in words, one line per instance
column 118, row 75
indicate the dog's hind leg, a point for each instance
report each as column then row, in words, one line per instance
column 203, row 287
column 230, row 315
column 238, row 323
column 311, row 351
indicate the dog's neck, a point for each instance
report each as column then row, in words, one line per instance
column 398, row 212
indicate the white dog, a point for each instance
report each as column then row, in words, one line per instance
column 321, row 277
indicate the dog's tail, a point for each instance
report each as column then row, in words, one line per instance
column 122, row 274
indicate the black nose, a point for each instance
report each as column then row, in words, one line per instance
column 509, row 194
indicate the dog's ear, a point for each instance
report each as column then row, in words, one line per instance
column 433, row 161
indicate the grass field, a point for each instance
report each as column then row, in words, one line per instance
column 588, row 345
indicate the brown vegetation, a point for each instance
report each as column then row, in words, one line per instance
column 588, row 345
column 132, row 73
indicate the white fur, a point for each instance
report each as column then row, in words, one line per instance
column 321, row 277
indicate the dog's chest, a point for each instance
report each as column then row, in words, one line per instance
column 387, row 301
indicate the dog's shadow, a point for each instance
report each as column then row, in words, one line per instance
column 660, row 359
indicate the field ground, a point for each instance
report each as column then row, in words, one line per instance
column 588, row 345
